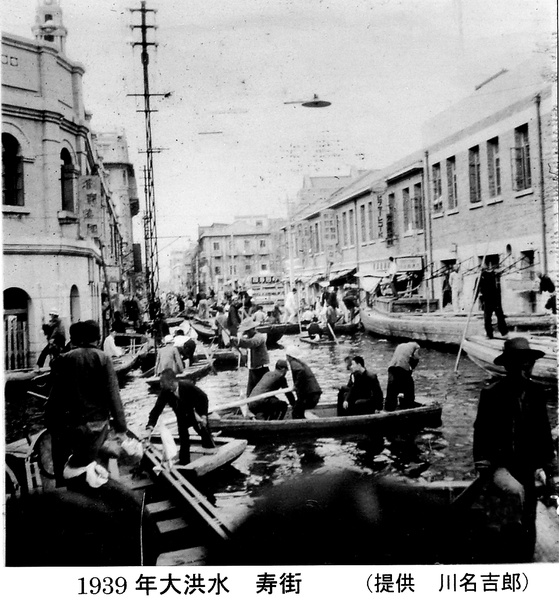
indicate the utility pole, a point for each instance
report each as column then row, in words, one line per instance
column 150, row 216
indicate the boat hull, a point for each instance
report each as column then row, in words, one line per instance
column 323, row 421
column 192, row 373
column 439, row 327
column 483, row 351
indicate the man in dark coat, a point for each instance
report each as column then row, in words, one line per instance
column 363, row 394
column 84, row 396
column 489, row 290
column 272, row 408
column 190, row 405
column 307, row 387
column 512, row 441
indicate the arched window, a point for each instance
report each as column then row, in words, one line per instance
column 74, row 304
column 12, row 171
column 67, row 174
column 16, row 330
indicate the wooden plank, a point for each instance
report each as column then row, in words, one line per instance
column 156, row 508
column 190, row 494
column 188, row 556
column 171, row 525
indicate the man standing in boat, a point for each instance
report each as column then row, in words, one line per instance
column 513, row 446
column 489, row 291
column 190, row 405
column 400, row 389
column 392, row 275
column 258, row 359
column 272, row 408
column 363, row 394
column 456, row 281
column 168, row 357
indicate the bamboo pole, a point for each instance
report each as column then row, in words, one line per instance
column 471, row 310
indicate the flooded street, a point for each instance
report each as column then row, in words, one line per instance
column 444, row 453
column 435, row 454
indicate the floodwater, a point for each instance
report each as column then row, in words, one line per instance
column 444, row 453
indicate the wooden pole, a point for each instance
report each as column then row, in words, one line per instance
column 243, row 401
column 471, row 310
column 333, row 334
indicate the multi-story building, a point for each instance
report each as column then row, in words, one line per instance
column 61, row 230
column 112, row 148
column 483, row 188
column 229, row 254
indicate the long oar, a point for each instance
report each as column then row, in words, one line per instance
column 227, row 341
column 243, row 401
column 333, row 334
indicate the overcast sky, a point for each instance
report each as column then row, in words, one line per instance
column 386, row 66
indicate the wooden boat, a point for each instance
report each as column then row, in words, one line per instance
column 178, row 521
column 294, row 329
column 205, row 460
column 26, row 375
column 412, row 319
column 193, row 373
column 323, row 421
column 206, row 332
column 483, row 351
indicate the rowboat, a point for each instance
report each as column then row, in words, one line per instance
column 483, row 351
column 404, row 319
column 193, row 373
column 23, row 375
column 152, row 513
column 294, row 329
column 204, row 329
column 317, row 340
column 323, row 421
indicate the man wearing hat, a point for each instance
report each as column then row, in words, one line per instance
column 56, row 338
column 258, row 359
column 168, row 357
column 272, row 408
column 513, row 443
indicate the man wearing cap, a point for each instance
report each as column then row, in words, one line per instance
column 190, row 405
column 400, row 388
column 169, row 357
column 272, row 408
column 56, row 338
column 513, row 443
column 258, row 359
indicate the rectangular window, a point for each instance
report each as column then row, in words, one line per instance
column 216, row 246
column 264, row 267
column 217, row 270
column 406, row 208
column 452, row 189
column 521, row 167
column 417, row 206
column 317, row 236
column 475, row 175
column 363, row 227
column 344, row 228
column 370, row 210
column 437, row 189
column 351, row 227
column 247, row 268
column 263, row 243
column 494, row 167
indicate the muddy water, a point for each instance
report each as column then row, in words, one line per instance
column 443, row 453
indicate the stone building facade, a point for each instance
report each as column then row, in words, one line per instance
column 62, row 233
column 483, row 187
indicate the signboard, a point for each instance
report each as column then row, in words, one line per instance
column 380, row 220
column 405, row 264
column 89, row 196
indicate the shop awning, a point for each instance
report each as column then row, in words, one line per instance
column 338, row 276
column 369, row 283
column 316, row 278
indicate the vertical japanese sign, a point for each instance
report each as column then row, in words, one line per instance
column 330, row 232
column 89, row 195
column 380, row 219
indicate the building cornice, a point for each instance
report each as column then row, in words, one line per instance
column 52, row 249
column 50, row 116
